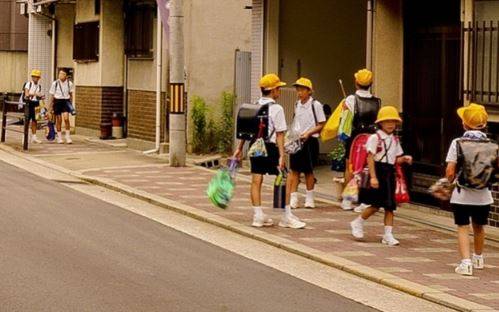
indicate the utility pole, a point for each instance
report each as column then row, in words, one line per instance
column 177, row 86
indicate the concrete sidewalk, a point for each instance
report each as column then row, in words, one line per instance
column 422, row 265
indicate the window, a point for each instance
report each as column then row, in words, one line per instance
column 139, row 29
column 86, row 42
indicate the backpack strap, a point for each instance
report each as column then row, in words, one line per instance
column 313, row 111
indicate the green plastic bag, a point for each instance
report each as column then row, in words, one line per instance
column 221, row 187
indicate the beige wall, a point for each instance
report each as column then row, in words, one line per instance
column 388, row 52
column 112, row 43
column 14, row 71
column 108, row 71
column 87, row 74
column 142, row 72
column 65, row 15
column 214, row 30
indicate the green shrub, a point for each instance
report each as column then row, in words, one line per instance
column 198, row 116
column 226, row 127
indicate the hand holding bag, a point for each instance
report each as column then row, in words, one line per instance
column 351, row 191
column 293, row 143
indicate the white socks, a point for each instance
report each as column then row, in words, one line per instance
column 388, row 230
column 294, row 200
column 287, row 211
column 466, row 261
column 68, row 133
column 310, row 196
column 258, row 211
column 360, row 220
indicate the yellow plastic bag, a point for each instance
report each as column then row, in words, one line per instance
column 330, row 130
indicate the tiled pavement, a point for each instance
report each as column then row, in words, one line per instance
column 426, row 256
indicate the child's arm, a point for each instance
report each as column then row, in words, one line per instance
column 404, row 159
column 450, row 171
column 372, row 171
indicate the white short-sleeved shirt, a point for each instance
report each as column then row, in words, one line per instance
column 378, row 149
column 467, row 196
column 350, row 100
column 277, row 120
column 304, row 116
column 34, row 90
column 61, row 90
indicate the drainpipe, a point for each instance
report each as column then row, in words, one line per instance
column 53, row 56
column 159, row 47
column 370, row 34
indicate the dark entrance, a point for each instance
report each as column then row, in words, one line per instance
column 431, row 87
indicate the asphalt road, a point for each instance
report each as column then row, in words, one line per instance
column 61, row 250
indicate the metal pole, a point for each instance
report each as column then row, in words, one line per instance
column 159, row 61
column 177, row 86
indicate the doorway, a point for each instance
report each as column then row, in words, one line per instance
column 432, row 43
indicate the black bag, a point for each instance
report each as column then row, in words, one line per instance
column 252, row 120
column 477, row 162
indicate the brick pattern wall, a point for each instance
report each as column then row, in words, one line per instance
column 112, row 102
column 142, row 115
column 494, row 211
column 88, row 102
column 96, row 105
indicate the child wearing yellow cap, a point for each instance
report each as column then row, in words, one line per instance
column 364, row 106
column 32, row 94
column 270, row 86
column 471, row 163
column 385, row 151
column 309, row 119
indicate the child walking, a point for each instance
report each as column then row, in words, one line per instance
column 384, row 152
column 32, row 96
column 471, row 162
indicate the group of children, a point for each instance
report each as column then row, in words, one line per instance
column 61, row 98
column 384, row 152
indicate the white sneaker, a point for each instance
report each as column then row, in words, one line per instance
column 357, row 229
column 465, row 269
column 262, row 221
column 310, row 204
column 361, row 208
column 389, row 240
column 478, row 262
column 346, row 205
column 292, row 222
column 34, row 139
column 294, row 203
column 59, row 139
column 68, row 139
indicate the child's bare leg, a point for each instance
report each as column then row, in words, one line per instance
column 58, row 123
column 256, row 187
column 389, row 215
column 33, row 126
column 368, row 212
column 479, row 238
column 310, row 181
column 464, row 241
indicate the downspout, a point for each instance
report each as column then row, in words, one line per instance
column 159, row 62
column 53, row 54
column 370, row 34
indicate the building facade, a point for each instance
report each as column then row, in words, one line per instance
column 13, row 47
column 111, row 49
column 429, row 58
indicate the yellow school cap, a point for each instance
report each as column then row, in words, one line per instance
column 303, row 82
column 270, row 82
column 474, row 116
column 388, row 113
column 36, row 73
column 364, row 77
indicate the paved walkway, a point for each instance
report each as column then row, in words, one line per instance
column 426, row 256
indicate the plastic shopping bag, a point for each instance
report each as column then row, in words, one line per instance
column 258, row 149
column 330, row 130
column 292, row 141
column 221, row 187
column 351, row 191
column 401, row 192
column 442, row 189
column 345, row 129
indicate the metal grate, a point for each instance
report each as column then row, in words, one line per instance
column 480, row 60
